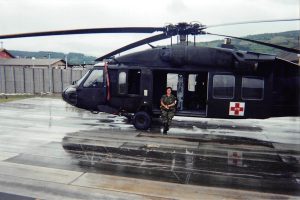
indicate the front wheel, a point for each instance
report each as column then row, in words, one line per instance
column 142, row 120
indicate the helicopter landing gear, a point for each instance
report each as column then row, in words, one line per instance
column 142, row 120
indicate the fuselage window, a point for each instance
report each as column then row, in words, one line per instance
column 172, row 81
column 223, row 86
column 252, row 88
column 95, row 79
column 122, row 83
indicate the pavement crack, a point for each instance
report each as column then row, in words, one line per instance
column 71, row 182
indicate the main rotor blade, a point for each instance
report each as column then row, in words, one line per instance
column 292, row 50
column 86, row 31
column 252, row 22
column 135, row 44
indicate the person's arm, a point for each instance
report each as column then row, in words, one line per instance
column 162, row 104
column 174, row 103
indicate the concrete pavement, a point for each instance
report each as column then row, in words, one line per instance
column 50, row 150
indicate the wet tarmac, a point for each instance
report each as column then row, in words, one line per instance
column 50, row 150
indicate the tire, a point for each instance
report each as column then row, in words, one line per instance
column 142, row 120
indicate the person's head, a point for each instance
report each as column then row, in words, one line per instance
column 168, row 90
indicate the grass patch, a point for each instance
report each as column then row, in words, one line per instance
column 8, row 98
column 11, row 97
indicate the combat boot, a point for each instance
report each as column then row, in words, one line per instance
column 165, row 128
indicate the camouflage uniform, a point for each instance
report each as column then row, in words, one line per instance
column 167, row 114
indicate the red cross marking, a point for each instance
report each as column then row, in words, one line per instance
column 235, row 158
column 237, row 109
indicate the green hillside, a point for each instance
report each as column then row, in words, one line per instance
column 73, row 58
column 287, row 39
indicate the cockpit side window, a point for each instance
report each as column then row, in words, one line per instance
column 95, row 80
column 134, row 78
column 122, row 83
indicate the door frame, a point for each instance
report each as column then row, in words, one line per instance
column 94, row 100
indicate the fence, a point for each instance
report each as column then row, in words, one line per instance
column 36, row 80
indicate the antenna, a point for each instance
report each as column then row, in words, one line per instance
column 299, row 24
column 298, row 55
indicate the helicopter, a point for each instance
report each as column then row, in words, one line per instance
column 208, row 82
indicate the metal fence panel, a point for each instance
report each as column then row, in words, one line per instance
column 84, row 71
column 76, row 75
column 2, row 80
column 57, row 80
column 10, row 80
column 29, row 83
column 19, row 79
column 38, row 80
column 47, row 81
column 66, row 78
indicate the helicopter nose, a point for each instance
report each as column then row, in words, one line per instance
column 69, row 95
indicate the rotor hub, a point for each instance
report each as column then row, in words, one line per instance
column 184, row 28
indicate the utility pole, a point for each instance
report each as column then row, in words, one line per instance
column 50, row 74
column 298, row 55
column 66, row 58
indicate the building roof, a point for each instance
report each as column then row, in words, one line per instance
column 6, row 52
column 29, row 62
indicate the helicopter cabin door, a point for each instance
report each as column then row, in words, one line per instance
column 191, row 92
column 91, row 92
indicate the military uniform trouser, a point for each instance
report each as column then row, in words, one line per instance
column 167, row 115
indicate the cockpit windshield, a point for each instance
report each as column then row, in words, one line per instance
column 82, row 78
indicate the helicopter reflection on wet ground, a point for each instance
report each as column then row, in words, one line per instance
column 45, row 140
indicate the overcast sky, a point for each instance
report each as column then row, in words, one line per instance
column 17, row 16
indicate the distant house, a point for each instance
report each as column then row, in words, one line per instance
column 34, row 63
column 4, row 54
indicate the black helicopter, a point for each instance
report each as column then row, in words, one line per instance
column 208, row 82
